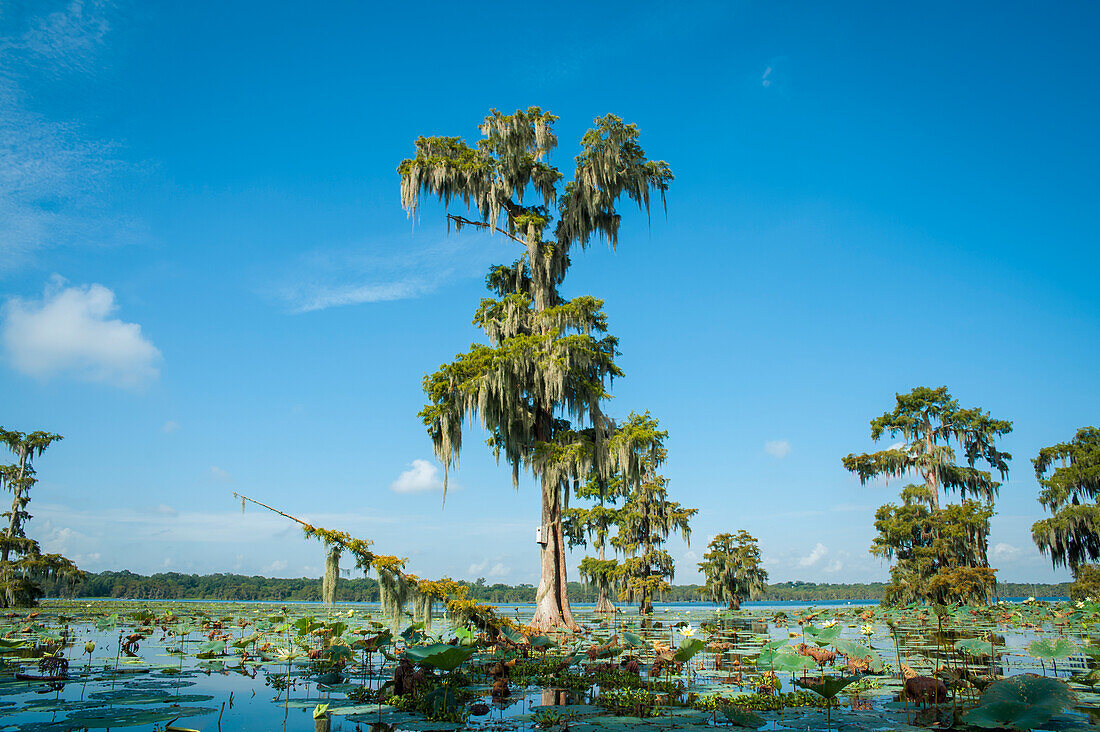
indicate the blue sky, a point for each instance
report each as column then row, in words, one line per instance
column 210, row 286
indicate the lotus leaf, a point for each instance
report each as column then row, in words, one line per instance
column 1022, row 702
column 439, row 655
column 742, row 717
column 826, row 686
column 688, row 649
column 1051, row 649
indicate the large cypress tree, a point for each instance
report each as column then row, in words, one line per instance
column 940, row 552
column 538, row 385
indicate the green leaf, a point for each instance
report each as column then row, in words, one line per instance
column 1022, row 702
column 439, row 655
column 688, row 648
column 1051, row 649
column 742, row 717
column 823, row 636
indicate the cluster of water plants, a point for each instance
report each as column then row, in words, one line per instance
column 179, row 666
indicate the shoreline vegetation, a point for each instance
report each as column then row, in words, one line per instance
column 177, row 586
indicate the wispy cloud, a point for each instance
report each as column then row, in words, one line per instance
column 774, row 77
column 777, row 448
column 376, row 272
column 70, row 331
column 220, row 474
column 51, row 173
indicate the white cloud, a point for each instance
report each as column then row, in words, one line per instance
column 421, row 476
column 476, row 569
column 70, row 331
column 499, row 570
column 764, row 80
column 1004, row 552
column 815, row 556
column 278, row 565
column 165, row 510
column 690, row 556
column 220, row 474
column 777, row 448
column 834, row 566
column 170, row 426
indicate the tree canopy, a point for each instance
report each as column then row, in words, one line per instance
column 929, row 420
column 1069, row 474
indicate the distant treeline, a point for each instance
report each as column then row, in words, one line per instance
column 176, row 586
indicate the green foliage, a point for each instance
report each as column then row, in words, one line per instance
column 760, row 702
column 940, row 552
column 1071, row 536
column 631, row 702
column 733, row 568
column 1086, row 582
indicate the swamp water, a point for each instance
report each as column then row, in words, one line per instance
column 112, row 664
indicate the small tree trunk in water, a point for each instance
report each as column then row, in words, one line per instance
column 332, row 572
column 646, row 606
column 735, row 603
column 603, row 604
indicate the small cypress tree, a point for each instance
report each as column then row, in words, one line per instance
column 940, row 552
column 733, row 569
column 645, row 522
column 23, row 566
column 595, row 524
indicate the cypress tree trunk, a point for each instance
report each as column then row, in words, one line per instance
column 552, row 598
